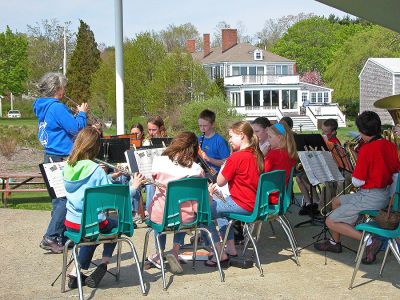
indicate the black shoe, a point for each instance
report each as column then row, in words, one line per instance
column 328, row 246
column 94, row 279
column 309, row 209
column 73, row 281
column 52, row 245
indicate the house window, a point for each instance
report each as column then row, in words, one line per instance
column 278, row 70
column 252, row 70
column 304, row 97
column 285, row 70
column 260, row 70
column 258, row 55
column 275, row 98
column 267, row 98
column 235, row 71
column 256, row 98
column 285, row 99
column 293, row 99
column 236, row 99
column 270, row 70
column 289, row 99
column 319, row 95
column 326, row 97
column 313, row 97
column 247, row 98
column 243, row 70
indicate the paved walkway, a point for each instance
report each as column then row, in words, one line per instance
column 26, row 271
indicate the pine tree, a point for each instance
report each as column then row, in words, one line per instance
column 84, row 63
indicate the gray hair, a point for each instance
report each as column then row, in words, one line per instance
column 50, row 83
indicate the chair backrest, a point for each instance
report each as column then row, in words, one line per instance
column 287, row 199
column 180, row 191
column 268, row 183
column 395, row 206
column 107, row 197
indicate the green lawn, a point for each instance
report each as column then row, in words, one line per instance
column 33, row 201
column 18, row 122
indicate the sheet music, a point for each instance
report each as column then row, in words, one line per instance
column 55, row 177
column 144, row 160
column 320, row 167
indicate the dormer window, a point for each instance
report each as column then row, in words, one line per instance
column 258, row 54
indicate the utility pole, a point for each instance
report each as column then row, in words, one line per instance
column 12, row 101
column 119, row 66
column 1, row 108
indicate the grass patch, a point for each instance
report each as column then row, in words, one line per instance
column 32, row 201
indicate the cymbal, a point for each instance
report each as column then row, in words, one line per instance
column 391, row 102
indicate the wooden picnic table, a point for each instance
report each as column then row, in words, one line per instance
column 25, row 178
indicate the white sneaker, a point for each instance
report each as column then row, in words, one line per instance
column 174, row 265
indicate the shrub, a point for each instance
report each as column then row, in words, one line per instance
column 8, row 147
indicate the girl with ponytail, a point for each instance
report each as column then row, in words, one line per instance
column 241, row 172
column 283, row 154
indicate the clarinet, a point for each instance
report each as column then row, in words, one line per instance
column 211, row 174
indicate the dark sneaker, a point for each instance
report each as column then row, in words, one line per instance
column 371, row 251
column 51, row 245
column 327, row 246
column 94, row 279
column 309, row 209
column 73, row 281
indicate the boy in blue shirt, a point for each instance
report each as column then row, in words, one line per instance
column 214, row 147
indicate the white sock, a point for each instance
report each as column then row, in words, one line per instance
column 332, row 242
column 369, row 242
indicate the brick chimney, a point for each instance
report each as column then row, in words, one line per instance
column 229, row 38
column 294, row 69
column 206, row 44
column 191, row 46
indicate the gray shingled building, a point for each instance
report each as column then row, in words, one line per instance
column 379, row 78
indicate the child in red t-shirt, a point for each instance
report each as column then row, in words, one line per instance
column 241, row 172
column 282, row 155
column 377, row 164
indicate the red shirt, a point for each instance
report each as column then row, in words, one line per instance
column 278, row 159
column 241, row 172
column 376, row 163
column 334, row 139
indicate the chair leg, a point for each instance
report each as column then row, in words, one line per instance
column 272, row 228
column 359, row 245
column 160, row 255
column 246, row 227
column 228, row 228
column 247, row 239
column 146, row 244
column 119, row 249
column 384, row 259
column 78, row 271
column 136, row 259
column 64, row 266
column 221, row 274
column 359, row 257
column 289, row 226
column 395, row 249
column 286, row 229
column 196, row 237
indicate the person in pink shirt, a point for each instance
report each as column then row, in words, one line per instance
column 176, row 162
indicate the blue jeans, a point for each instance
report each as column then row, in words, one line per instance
column 86, row 252
column 218, row 209
column 150, row 191
column 56, row 228
column 178, row 239
column 135, row 197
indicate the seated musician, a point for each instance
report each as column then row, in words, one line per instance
column 260, row 127
column 80, row 173
column 138, row 130
column 176, row 162
column 241, row 172
column 214, row 148
column 329, row 131
column 376, row 166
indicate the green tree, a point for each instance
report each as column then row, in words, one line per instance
column 46, row 48
column 13, row 62
column 189, row 113
column 83, row 64
column 348, row 61
column 175, row 37
column 313, row 42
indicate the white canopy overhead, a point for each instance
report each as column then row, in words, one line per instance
column 382, row 12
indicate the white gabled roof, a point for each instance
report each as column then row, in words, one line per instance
column 390, row 64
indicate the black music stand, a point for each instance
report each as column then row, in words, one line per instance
column 160, row 142
column 306, row 142
column 112, row 150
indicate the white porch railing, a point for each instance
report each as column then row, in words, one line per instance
column 331, row 109
column 262, row 79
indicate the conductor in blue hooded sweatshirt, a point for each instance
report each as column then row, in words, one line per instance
column 57, row 128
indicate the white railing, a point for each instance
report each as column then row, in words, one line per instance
column 331, row 109
column 266, row 111
column 262, row 79
column 312, row 116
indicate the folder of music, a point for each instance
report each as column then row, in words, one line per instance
column 320, row 167
column 53, row 178
column 142, row 160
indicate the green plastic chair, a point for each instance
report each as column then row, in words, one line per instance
column 99, row 199
column 370, row 214
column 370, row 228
column 268, row 183
column 178, row 192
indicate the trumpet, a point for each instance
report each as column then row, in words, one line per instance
column 92, row 118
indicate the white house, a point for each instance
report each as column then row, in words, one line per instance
column 379, row 78
column 260, row 83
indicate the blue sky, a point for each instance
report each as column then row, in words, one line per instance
column 142, row 15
